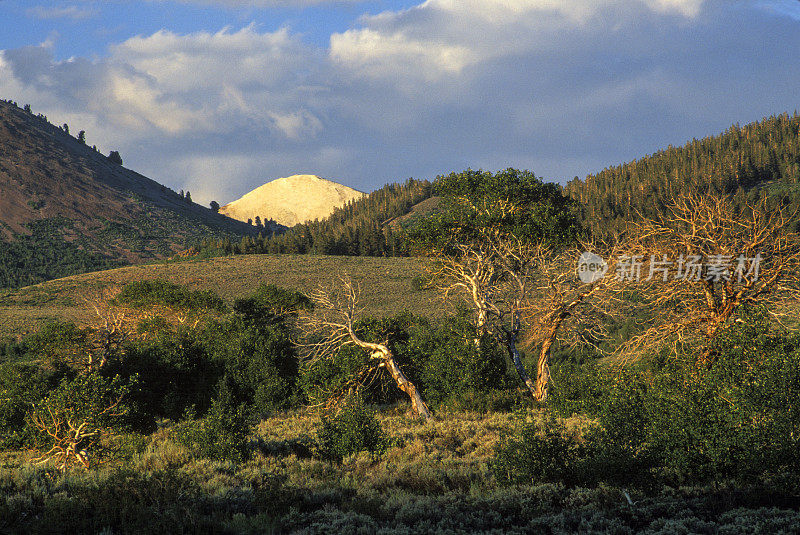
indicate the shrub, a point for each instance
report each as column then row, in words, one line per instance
column 321, row 377
column 21, row 387
column 691, row 423
column 353, row 430
column 141, row 294
column 449, row 366
column 578, row 388
column 270, row 303
column 175, row 371
column 256, row 350
column 442, row 362
column 738, row 418
column 542, row 452
column 75, row 422
column 260, row 362
column 59, row 340
column 223, row 434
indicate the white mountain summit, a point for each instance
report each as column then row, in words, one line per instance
column 291, row 200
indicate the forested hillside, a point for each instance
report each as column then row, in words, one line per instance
column 66, row 208
column 365, row 227
column 743, row 158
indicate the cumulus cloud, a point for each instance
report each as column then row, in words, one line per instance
column 562, row 87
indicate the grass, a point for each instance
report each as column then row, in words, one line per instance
column 434, row 478
column 386, row 285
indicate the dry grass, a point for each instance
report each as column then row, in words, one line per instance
column 386, row 285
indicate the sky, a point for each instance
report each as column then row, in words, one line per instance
column 220, row 96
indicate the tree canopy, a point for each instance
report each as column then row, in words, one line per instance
column 477, row 206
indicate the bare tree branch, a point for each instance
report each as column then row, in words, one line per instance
column 331, row 325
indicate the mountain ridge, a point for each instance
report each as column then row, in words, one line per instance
column 57, row 192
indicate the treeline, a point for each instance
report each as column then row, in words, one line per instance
column 113, row 156
column 761, row 154
column 360, row 228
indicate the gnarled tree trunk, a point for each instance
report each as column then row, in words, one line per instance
column 418, row 405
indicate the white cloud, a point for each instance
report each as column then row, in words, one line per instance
column 375, row 54
column 442, row 37
column 560, row 86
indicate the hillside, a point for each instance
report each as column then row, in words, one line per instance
column 292, row 200
column 66, row 208
column 368, row 226
column 387, row 285
column 738, row 161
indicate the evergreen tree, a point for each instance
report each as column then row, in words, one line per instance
column 114, row 157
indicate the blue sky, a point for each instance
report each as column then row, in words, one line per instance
column 220, row 96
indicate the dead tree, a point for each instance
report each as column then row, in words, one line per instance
column 703, row 260
column 109, row 332
column 563, row 306
column 331, row 325
column 524, row 293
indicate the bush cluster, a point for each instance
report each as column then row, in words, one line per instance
column 444, row 362
column 677, row 421
column 353, row 430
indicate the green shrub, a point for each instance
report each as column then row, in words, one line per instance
column 321, row 377
column 21, row 387
column 141, row 294
column 353, row 430
column 443, row 362
column 687, row 422
column 77, row 420
column 270, row 304
column 176, row 370
column 256, row 350
column 58, row 340
column 450, row 368
column 542, row 452
column 223, row 434
column 738, row 418
column 578, row 388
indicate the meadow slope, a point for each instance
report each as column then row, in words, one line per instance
column 387, row 285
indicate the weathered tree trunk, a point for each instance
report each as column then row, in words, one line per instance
column 543, row 365
column 543, row 370
column 382, row 353
column 418, row 405
column 480, row 326
column 513, row 352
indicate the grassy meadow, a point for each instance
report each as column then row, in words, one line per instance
column 386, row 285
column 475, row 468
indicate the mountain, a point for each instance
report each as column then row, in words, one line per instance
column 740, row 161
column 368, row 226
column 66, row 208
column 292, row 200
